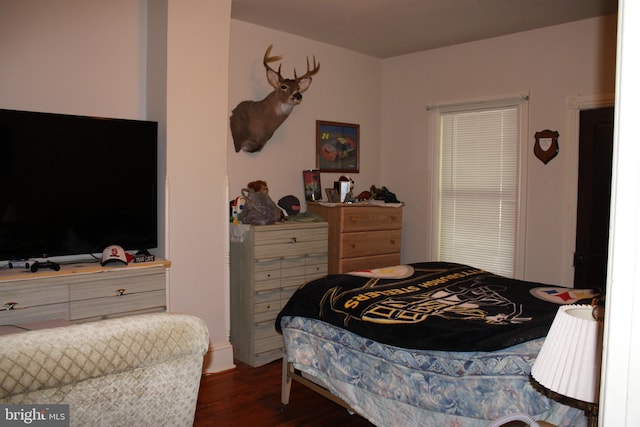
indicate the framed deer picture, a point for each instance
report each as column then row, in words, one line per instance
column 337, row 146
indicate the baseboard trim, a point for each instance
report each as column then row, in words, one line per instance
column 219, row 358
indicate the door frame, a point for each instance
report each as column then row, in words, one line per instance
column 574, row 105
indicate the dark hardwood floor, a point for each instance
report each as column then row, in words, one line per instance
column 248, row 396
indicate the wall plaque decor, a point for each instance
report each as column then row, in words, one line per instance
column 546, row 146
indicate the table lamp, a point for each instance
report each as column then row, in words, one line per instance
column 568, row 365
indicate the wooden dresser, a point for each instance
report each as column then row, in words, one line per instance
column 268, row 263
column 361, row 235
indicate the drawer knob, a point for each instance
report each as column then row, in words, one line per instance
column 293, row 240
column 9, row 306
column 393, row 242
column 120, row 291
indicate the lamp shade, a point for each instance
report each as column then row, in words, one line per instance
column 569, row 360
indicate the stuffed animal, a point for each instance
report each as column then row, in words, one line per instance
column 365, row 195
column 383, row 194
column 237, row 206
column 258, row 186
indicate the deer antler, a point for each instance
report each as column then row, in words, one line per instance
column 309, row 73
column 267, row 59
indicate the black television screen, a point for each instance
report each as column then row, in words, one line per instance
column 72, row 185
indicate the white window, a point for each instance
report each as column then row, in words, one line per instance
column 479, row 189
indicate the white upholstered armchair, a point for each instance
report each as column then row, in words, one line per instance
column 138, row 370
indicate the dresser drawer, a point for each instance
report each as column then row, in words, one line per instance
column 270, row 343
column 292, row 281
column 293, row 262
column 365, row 263
column 293, row 272
column 288, row 235
column 107, row 285
column 289, row 241
column 260, row 359
column 287, row 292
column 34, row 314
column 267, row 311
column 316, row 271
column 370, row 218
column 370, row 243
column 291, row 248
column 111, row 306
column 22, row 302
column 267, row 297
column 265, row 330
column 316, row 266
column 28, row 295
column 267, row 274
column 266, row 264
column 265, row 285
column 267, row 316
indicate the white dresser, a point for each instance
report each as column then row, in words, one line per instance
column 82, row 292
column 268, row 263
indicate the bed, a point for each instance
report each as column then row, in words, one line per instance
column 425, row 344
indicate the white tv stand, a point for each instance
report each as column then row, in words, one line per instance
column 82, row 292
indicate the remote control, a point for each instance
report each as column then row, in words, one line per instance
column 45, row 264
column 20, row 263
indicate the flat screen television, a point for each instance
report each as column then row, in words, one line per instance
column 73, row 185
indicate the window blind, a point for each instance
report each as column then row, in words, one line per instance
column 478, row 188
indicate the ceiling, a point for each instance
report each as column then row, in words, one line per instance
column 388, row 28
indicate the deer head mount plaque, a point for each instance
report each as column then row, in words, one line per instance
column 254, row 122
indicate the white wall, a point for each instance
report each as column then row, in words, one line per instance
column 620, row 387
column 197, row 243
column 552, row 63
column 73, row 57
column 90, row 57
column 347, row 89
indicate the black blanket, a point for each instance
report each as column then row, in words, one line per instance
column 442, row 306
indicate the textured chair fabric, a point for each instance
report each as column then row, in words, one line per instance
column 139, row 370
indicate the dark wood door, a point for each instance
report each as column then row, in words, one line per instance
column 594, row 198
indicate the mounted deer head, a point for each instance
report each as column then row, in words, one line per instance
column 253, row 122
